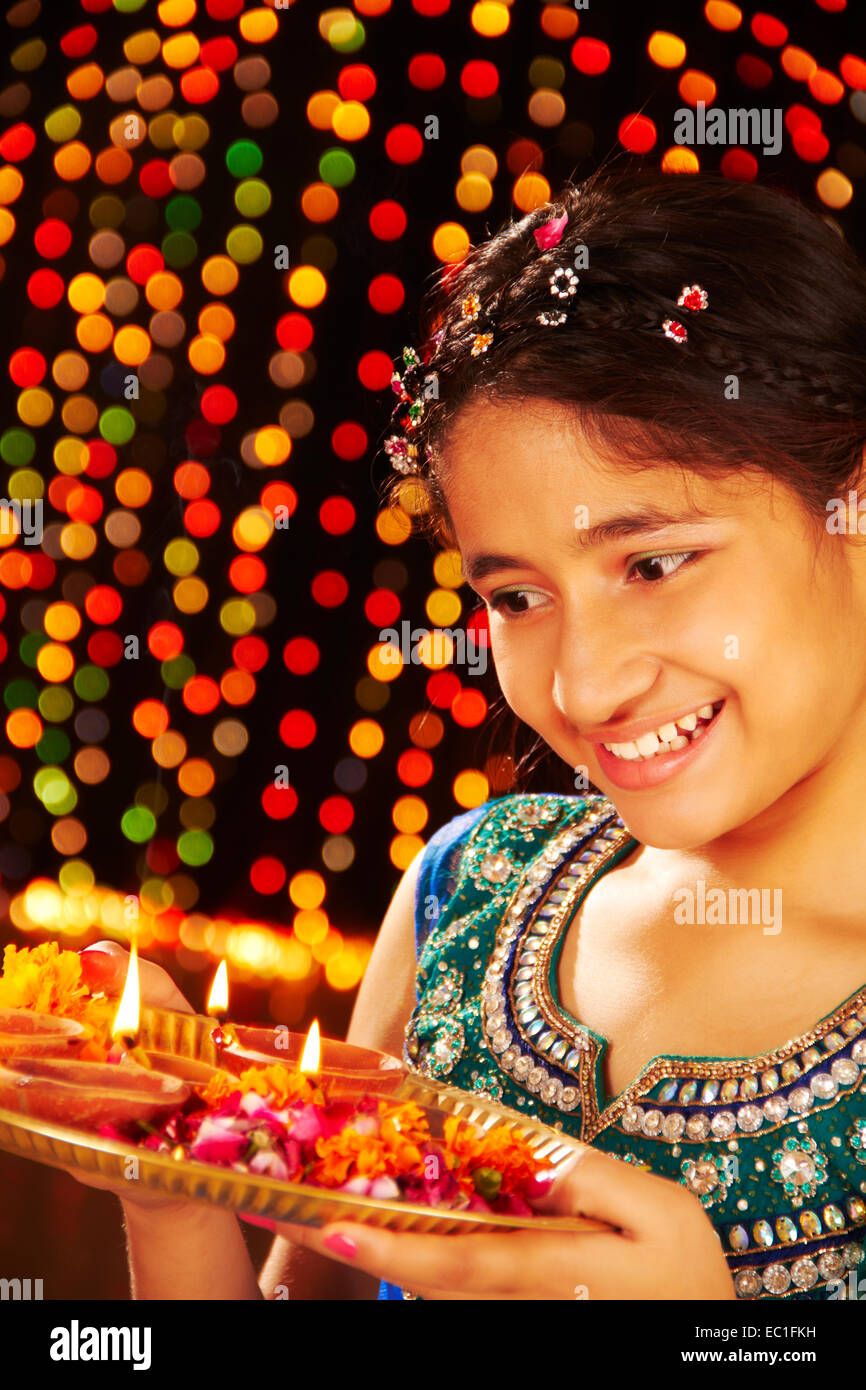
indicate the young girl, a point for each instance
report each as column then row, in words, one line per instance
column 640, row 416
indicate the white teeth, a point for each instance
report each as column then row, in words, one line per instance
column 647, row 744
column 625, row 750
column 668, row 738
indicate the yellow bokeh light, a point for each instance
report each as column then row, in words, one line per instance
column 393, row 526
column 490, row 18
column 448, row 569
column 678, row 160
column 272, row 445
column 436, row 650
column 531, row 191
column 666, row 50
column 450, row 242
column 310, row 925
column 307, row 286
column 470, row 788
column 723, row 15
column 384, row 662
column 402, row 850
column 181, row 51
column 834, row 188
column 86, row 293
column 443, row 607
column 410, row 815
column 351, row 120
column 131, row 345
column 78, row 540
column 307, row 889
column 321, row 107
column 474, row 192
column 252, row 528
column 62, row 621
column 366, row 738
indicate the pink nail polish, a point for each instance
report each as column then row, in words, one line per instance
column 341, row 1245
column 541, row 1184
column 257, row 1220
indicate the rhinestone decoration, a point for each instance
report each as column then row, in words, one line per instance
column 748, row 1283
column 776, row 1279
column 677, row 331
column 529, row 1023
column 693, row 297
column 495, row 868
column 857, row 1139
column 709, row 1177
column 800, row 1167
column 564, row 282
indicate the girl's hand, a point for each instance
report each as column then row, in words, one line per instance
column 665, row 1246
column 104, row 966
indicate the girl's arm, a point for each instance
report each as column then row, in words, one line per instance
column 385, row 1001
column 187, row 1252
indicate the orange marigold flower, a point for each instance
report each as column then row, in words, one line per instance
column 284, row 1085
column 42, row 978
column 395, row 1151
column 500, row 1148
column 406, row 1119
column 48, row 980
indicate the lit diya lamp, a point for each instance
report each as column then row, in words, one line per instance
column 346, row 1071
column 128, row 1050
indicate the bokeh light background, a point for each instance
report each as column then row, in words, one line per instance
column 216, row 220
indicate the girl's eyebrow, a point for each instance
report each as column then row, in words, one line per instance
column 477, row 567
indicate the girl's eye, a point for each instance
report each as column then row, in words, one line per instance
column 654, row 568
column 500, row 602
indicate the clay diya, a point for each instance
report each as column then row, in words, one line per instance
column 346, row 1071
column 23, row 1032
column 87, row 1094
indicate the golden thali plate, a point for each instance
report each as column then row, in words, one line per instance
column 189, row 1038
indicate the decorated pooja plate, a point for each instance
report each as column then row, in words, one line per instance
column 184, row 1044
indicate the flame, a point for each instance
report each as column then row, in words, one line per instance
column 127, row 1016
column 218, row 999
column 312, row 1049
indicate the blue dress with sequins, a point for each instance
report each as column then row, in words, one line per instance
column 773, row 1146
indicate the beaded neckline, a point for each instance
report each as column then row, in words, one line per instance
column 527, row 1024
column 560, row 1014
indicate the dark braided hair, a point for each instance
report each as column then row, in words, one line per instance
column 786, row 320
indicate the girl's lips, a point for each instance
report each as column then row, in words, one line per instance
column 639, row 775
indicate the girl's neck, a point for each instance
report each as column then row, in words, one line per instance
column 809, row 844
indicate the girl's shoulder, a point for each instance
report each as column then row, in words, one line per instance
column 490, row 842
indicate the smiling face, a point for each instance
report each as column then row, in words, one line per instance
column 728, row 592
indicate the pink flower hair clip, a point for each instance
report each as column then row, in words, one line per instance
column 549, row 234
column 691, row 297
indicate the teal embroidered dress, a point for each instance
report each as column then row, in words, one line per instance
column 774, row 1146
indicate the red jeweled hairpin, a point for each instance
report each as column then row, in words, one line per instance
column 691, row 297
